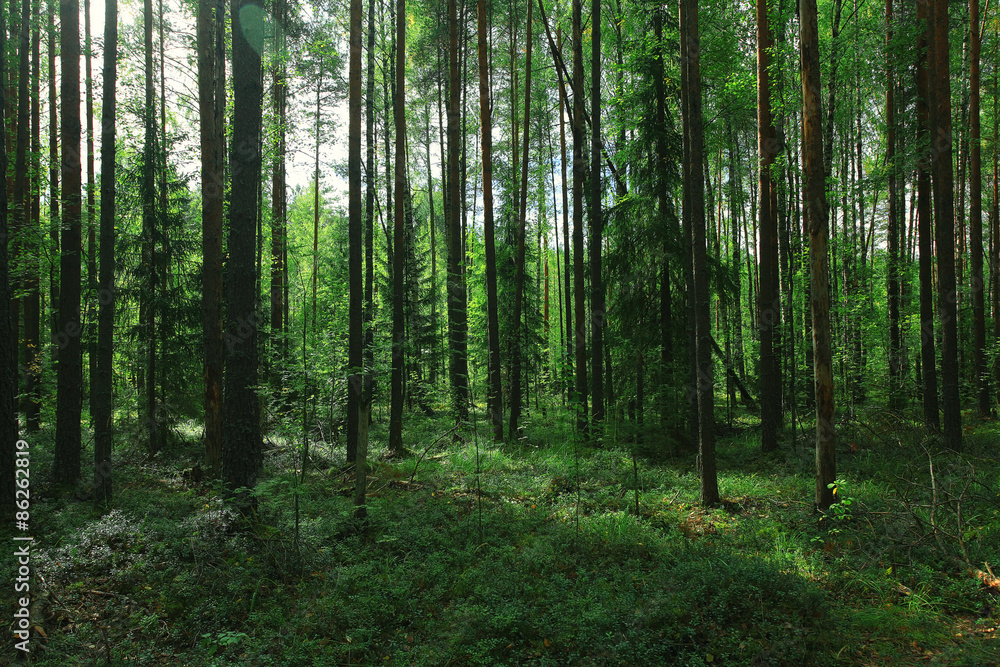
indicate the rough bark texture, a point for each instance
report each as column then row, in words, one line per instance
column 814, row 192
column 768, row 304
column 695, row 186
column 102, row 387
column 241, row 439
column 150, row 262
column 8, row 342
column 895, row 222
column 579, row 176
column 355, row 347
column 598, row 314
column 396, row 387
column 944, row 228
column 278, row 194
column 495, row 393
column 976, row 219
column 516, row 347
column 928, row 364
column 212, row 193
column 457, row 316
column 69, row 376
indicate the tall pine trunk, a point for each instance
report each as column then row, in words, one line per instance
column 398, row 335
column 768, row 304
column 494, row 393
column 814, row 193
column 212, row 193
column 976, row 219
column 579, row 177
column 242, row 457
column 518, row 358
column 695, row 187
column 103, row 382
column 944, row 228
column 69, row 376
column 457, row 315
column 598, row 316
column 355, row 361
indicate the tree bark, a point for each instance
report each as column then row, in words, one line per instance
column 398, row 335
column 579, row 176
column 8, row 341
column 814, row 192
column 242, row 457
column 517, row 352
column 944, row 229
column 355, row 347
column 495, row 393
column 457, row 315
column 598, row 314
column 69, row 376
column 976, row 219
column 695, row 187
column 928, row 364
column 103, row 384
column 895, row 221
column 768, row 302
column 212, row 192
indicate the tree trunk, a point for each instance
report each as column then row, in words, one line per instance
column 32, row 278
column 69, row 377
column 103, row 382
column 279, row 233
column 212, row 189
column 928, row 365
column 944, row 229
column 579, row 176
column 148, row 302
column 598, row 316
column 241, row 439
column 814, row 192
column 976, row 219
column 20, row 217
column 54, row 227
column 768, row 303
column 370, row 220
column 91, row 214
column 396, row 389
column 495, row 393
column 8, row 341
column 695, row 187
column 355, row 361
column 895, row 222
column 457, row 315
column 517, row 349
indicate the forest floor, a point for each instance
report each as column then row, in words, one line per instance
column 530, row 553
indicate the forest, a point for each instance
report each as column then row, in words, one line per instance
column 535, row 332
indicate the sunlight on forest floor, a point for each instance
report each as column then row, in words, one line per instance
column 532, row 552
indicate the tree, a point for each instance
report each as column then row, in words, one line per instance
column 212, row 193
column 102, row 387
column 398, row 336
column 894, row 232
column 148, row 301
column 279, row 231
column 355, row 362
column 457, row 316
column 517, row 351
column 928, row 364
column 494, row 393
column 976, row 218
column 69, row 394
column 695, row 197
column 579, row 176
column 598, row 316
column 8, row 341
column 768, row 304
column 241, row 439
column 944, row 225
column 814, row 194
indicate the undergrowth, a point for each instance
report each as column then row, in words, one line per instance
column 531, row 553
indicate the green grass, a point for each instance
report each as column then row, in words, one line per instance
column 529, row 553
